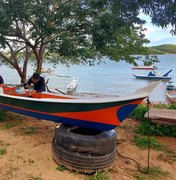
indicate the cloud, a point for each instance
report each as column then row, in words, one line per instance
column 157, row 35
column 149, row 30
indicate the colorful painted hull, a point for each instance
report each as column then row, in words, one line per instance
column 171, row 94
column 155, row 76
column 152, row 77
column 97, row 113
column 144, row 67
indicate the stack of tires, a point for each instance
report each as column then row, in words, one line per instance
column 84, row 150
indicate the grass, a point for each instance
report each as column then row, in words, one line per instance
column 3, row 114
column 9, row 119
column 145, row 127
column 99, row 175
column 139, row 113
column 10, row 124
column 3, row 151
column 29, row 131
column 61, row 168
column 154, row 173
column 142, row 143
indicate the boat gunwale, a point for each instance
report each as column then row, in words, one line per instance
column 170, row 95
column 138, row 94
column 79, row 100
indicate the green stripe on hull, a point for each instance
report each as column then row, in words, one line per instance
column 53, row 107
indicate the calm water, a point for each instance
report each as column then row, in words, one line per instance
column 110, row 78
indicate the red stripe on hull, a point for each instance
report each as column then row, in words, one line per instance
column 106, row 116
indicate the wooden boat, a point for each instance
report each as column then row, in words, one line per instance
column 171, row 91
column 171, row 94
column 144, row 67
column 44, row 70
column 96, row 113
column 154, row 76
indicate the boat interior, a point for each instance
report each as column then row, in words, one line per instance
column 17, row 91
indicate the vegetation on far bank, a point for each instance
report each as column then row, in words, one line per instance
column 162, row 49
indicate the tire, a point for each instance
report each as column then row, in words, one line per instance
column 82, row 162
column 84, row 140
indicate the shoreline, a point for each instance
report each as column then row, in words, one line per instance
column 27, row 142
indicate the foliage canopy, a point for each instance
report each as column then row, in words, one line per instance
column 76, row 30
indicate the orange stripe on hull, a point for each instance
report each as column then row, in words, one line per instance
column 106, row 116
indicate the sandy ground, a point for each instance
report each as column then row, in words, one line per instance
column 27, row 143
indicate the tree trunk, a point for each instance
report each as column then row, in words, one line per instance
column 39, row 57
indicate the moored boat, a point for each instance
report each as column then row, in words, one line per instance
column 154, row 76
column 96, row 113
column 43, row 70
column 144, row 67
column 171, row 91
column 171, row 94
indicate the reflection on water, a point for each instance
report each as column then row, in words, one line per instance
column 110, row 78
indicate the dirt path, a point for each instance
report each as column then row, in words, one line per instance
column 26, row 144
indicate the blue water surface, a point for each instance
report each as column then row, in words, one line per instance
column 107, row 79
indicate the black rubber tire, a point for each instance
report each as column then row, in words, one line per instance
column 82, row 162
column 86, row 141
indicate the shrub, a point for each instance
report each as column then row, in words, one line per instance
column 2, row 115
column 139, row 112
column 172, row 106
column 145, row 128
column 142, row 142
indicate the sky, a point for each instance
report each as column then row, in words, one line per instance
column 156, row 35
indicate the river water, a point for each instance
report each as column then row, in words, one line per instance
column 109, row 78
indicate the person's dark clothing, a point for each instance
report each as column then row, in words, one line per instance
column 39, row 86
column 1, row 80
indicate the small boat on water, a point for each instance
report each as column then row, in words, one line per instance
column 97, row 113
column 144, row 67
column 152, row 75
column 171, row 91
column 43, row 70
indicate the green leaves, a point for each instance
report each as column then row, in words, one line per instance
column 78, row 31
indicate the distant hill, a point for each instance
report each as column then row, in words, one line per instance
column 163, row 49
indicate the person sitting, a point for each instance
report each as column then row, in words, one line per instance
column 1, row 80
column 38, row 82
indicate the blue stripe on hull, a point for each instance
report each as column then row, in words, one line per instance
column 125, row 111
column 69, row 121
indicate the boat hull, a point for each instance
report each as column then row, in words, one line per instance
column 171, row 94
column 104, row 116
column 96, row 113
column 144, row 67
column 152, row 77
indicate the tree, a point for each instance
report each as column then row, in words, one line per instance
column 75, row 30
column 161, row 12
column 13, row 54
